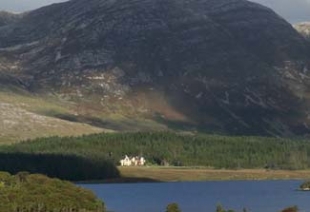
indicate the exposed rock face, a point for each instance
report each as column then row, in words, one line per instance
column 218, row 65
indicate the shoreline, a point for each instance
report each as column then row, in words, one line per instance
column 156, row 174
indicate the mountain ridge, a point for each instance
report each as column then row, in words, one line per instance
column 224, row 66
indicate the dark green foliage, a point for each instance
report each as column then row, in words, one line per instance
column 38, row 193
column 176, row 149
column 173, row 207
column 219, row 208
column 22, row 176
column 291, row 209
column 68, row 167
column 305, row 186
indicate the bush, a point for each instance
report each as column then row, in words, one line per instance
column 305, row 186
column 290, row 209
column 173, row 207
column 26, row 192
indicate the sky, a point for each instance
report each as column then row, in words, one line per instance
column 24, row 5
column 292, row 10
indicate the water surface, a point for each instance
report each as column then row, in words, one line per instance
column 256, row 196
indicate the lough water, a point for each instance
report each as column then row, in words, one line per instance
column 256, row 196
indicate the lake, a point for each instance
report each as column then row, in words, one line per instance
column 256, row 196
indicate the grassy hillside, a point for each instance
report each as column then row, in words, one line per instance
column 22, row 117
column 26, row 116
column 177, row 149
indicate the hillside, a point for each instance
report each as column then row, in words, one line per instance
column 26, row 116
column 224, row 66
column 9, row 18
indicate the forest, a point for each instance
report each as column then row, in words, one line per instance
column 62, row 166
column 95, row 156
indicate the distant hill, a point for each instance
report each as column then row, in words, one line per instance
column 223, row 66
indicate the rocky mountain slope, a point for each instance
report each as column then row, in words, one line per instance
column 228, row 66
column 9, row 18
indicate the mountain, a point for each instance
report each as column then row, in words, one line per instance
column 224, row 66
column 9, row 18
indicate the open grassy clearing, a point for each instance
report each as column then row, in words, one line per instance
column 172, row 174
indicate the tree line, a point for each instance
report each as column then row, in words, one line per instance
column 67, row 167
column 231, row 152
column 174, row 207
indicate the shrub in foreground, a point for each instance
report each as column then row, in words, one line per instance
column 173, row 207
column 26, row 192
column 291, row 209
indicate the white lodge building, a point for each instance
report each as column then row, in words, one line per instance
column 132, row 161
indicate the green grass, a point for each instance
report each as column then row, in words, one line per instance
column 173, row 174
column 26, row 116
